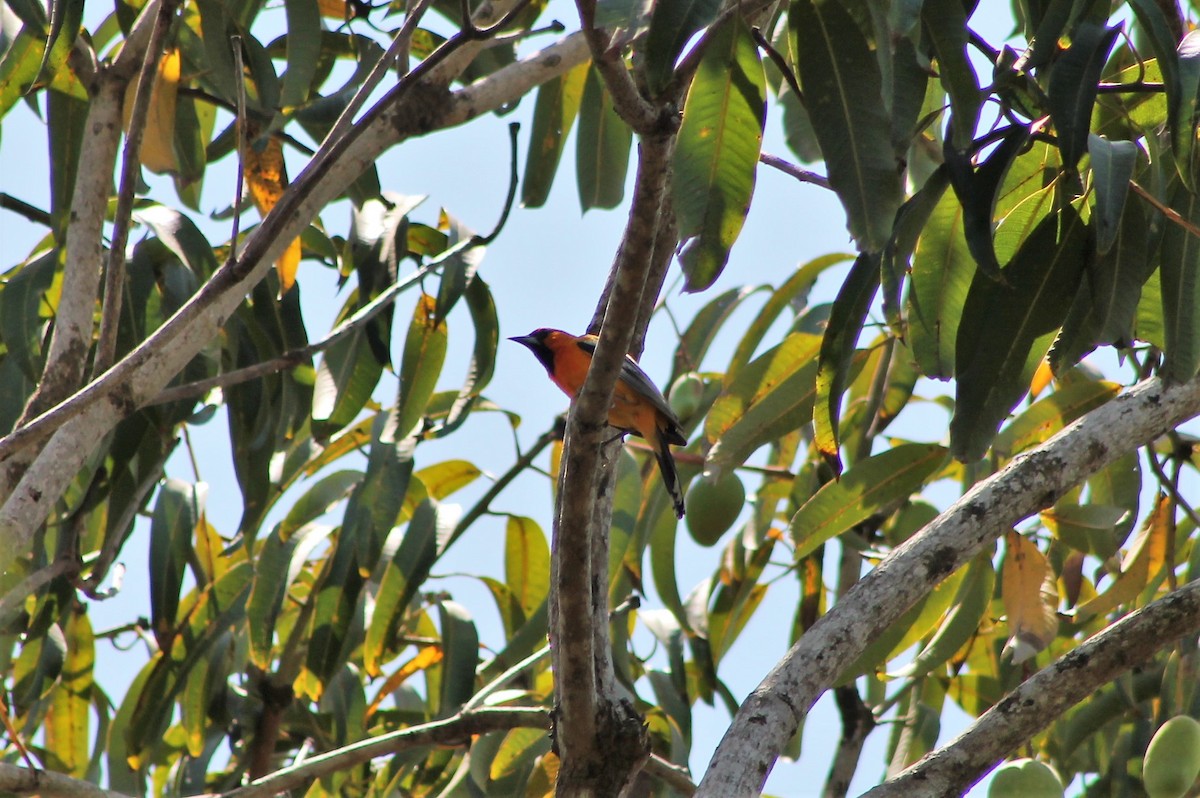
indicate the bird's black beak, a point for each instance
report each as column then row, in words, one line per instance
column 527, row 341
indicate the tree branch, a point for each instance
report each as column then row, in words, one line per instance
column 414, row 107
column 16, row 780
column 770, row 715
column 600, row 738
column 1045, row 696
column 131, row 167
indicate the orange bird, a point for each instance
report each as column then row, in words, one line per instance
column 638, row 407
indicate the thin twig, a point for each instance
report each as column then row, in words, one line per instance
column 780, row 62
column 1171, row 214
column 480, row 507
column 455, row 730
column 32, row 213
column 131, row 166
column 503, row 679
column 239, row 183
column 788, row 168
column 674, row 776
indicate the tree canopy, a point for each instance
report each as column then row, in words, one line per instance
column 1024, row 210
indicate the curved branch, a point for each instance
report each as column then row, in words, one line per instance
column 1045, row 696
column 1031, row 482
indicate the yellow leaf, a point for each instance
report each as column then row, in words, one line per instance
column 1041, row 378
column 157, row 151
column 266, row 179
column 287, row 265
column 425, row 658
column 1144, row 560
column 1030, row 598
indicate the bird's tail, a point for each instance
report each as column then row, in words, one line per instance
column 670, row 475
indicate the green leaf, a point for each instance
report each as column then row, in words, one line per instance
column 215, row 30
column 424, row 354
column 318, row 500
column 837, row 350
column 1152, row 23
column 771, row 396
column 1002, row 321
column 482, row 308
column 346, row 377
column 672, row 24
column 843, row 92
column 703, row 330
column 67, row 729
column 869, row 486
column 303, row 52
column 1183, row 118
column 208, row 613
column 1106, row 303
column 526, row 563
column 1072, row 90
column 518, row 748
column 960, row 624
column 1148, row 324
column 405, row 574
column 376, row 501
column 977, row 190
column 460, row 643
column 553, row 114
column 460, row 260
column 660, row 526
column 896, row 262
column 602, row 154
column 1089, row 528
column 279, row 562
column 1048, row 415
column 920, row 619
column 716, row 156
column 19, row 67
column 1180, row 270
column 945, row 23
column 181, row 236
column 66, row 119
column 792, row 293
column 942, row 269
column 23, row 311
column 1112, row 169
column 175, row 515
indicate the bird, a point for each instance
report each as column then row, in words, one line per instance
column 638, row 406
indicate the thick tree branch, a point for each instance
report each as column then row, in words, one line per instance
column 1044, row 697
column 17, row 780
column 642, row 116
column 66, row 357
column 1031, row 482
column 414, row 107
column 600, row 738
